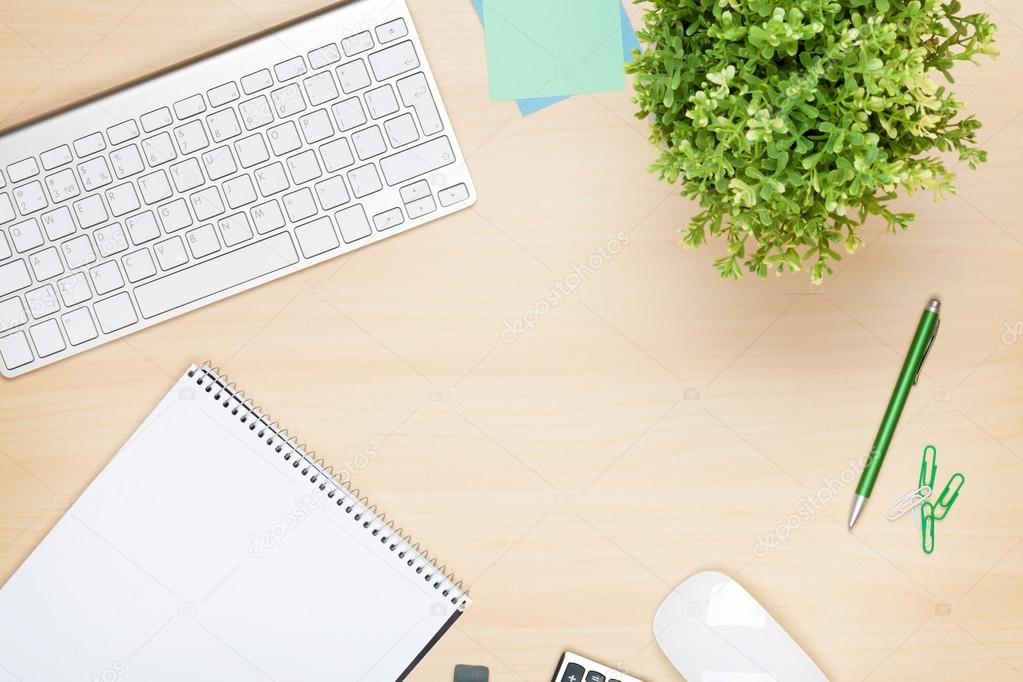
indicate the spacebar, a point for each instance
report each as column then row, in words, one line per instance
column 216, row 275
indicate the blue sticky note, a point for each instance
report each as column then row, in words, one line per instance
column 629, row 43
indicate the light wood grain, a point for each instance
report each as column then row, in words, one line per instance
column 655, row 423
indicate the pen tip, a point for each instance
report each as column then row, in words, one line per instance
column 858, row 503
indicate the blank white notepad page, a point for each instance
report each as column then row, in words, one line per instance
column 202, row 553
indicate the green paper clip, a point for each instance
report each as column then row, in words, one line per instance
column 927, row 527
column 927, row 475
column 948, row 496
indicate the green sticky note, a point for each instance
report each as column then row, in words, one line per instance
column 551, row 48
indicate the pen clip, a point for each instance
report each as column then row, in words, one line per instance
column 927, row 351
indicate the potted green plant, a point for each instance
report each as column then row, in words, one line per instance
column 791, row 122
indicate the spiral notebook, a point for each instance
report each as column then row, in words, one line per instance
column 214, row 547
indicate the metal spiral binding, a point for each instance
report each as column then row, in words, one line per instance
column 358, row 507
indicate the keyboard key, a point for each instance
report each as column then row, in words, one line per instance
column 106, row 277
column 127, row 161
column 154, row 120
column 284, row 138
column 155, row 187
column 190, row 106
column 316, row 126
column 191, row 137
column 324, row 56
column 79, row 326
column 353, row 224
column 46, row 264
column 123, row 199
column 222, row 94
column 5, row 248
column 90, row 211
column 56, row 157
column 74, row 289
column 23, row 170
column 392, row 30
column 219, row 163
column 364, row 180
column 239, row 191
column 304, row 167
column 122, row 132
column 15, row 351
column 110, row 240
column 207, row 203
column 30, row 197
column 255, row 112
column 138, row 265
column 336, row 155
column 381, row 101
column 78, row 252
column 388, row 219
column 175, row 216
column 415, row 93
column 292, row 68
column 267, row 217
column 95, row 173
column 159, row 150
column 369, row 143
column 421, row 207
column 422, row 158
column 187, row 175
column 401, row 130
column 299, row 205
column 215, row 275
column 254, row 82
column 224, row 125
column 353, row 76
column 321, row 88
column 58, row 223
column 171, row 253
column 332, row 193
column 392, row 61
column 89, row 145
column 271, row 179
column 453, row 195
column 288, row 100
column 62, row 186
column 115, row 313
column 26, row 235
column 42, row 301
column 202, row 241
column 251, row 151
column 7, row 213
column 142, row 228
column 360, row 42
column 349, row 114
column 417, row 190
column 14, row 276
column 317, row 237
column 12, row 314
column 235, row 229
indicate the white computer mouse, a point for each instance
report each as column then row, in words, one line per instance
column 713, row 630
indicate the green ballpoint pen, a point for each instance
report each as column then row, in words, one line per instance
column 910, row 374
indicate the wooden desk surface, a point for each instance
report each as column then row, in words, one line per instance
column 655, row 422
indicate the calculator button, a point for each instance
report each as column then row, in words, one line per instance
column 573, row 673
column 594, row 676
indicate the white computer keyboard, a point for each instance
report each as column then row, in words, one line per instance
column 290, row 149
column 575, row 668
